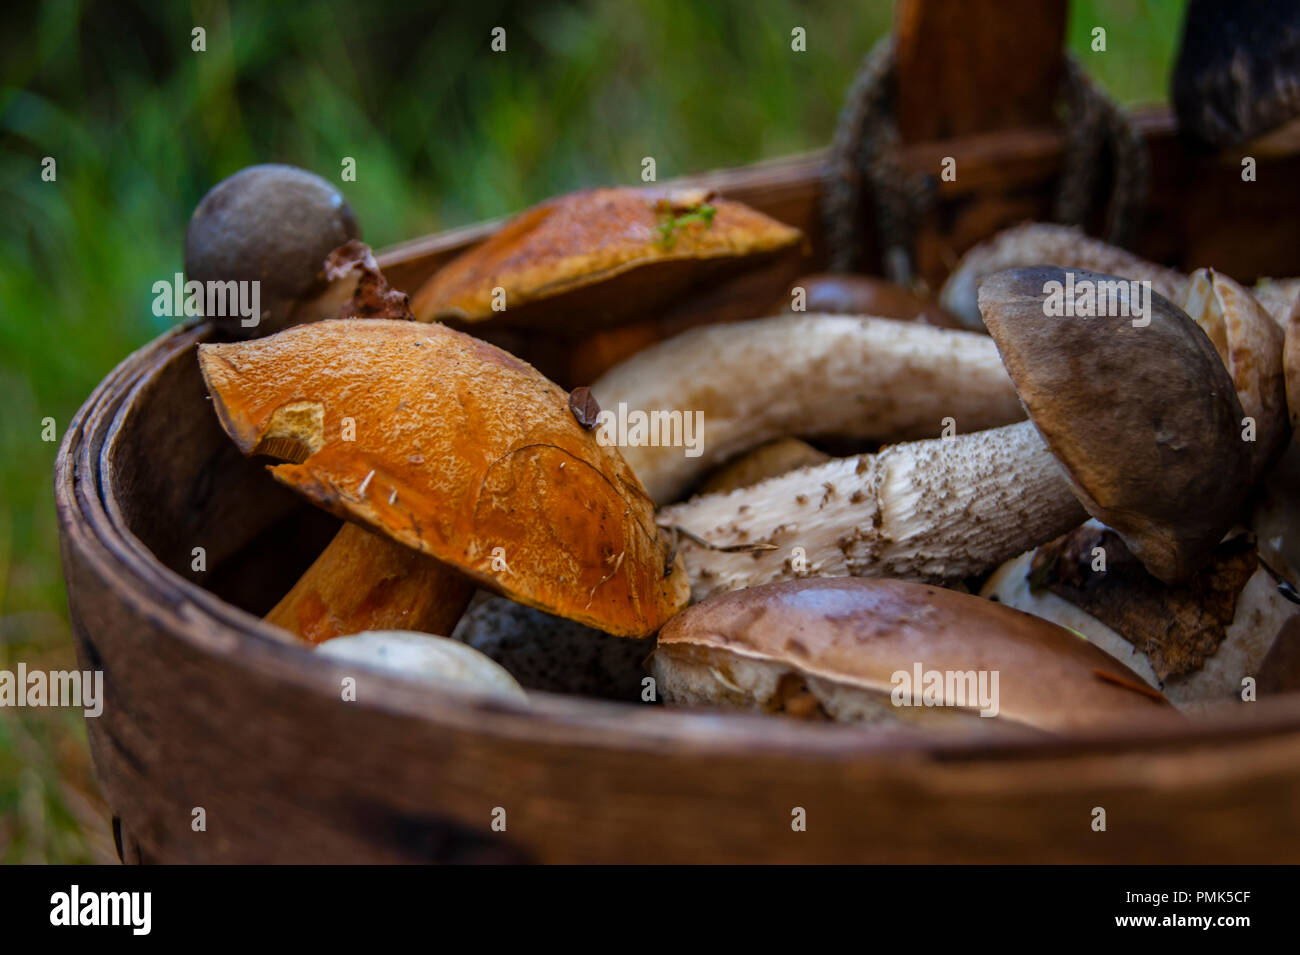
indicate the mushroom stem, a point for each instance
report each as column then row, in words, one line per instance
column 934, row 510
column 363, row 581
column 809, row 375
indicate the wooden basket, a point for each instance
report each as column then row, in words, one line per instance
column 206, row 708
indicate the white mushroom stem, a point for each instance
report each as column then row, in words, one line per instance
column 1038, row 243
column 847, row 376
column 934, row 510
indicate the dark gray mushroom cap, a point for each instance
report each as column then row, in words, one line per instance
column 1143, row 418
column 1238, row 72
column 271, row 223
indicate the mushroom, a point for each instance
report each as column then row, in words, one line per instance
column 767, row 460
column 558, row 258
column 437, row 661
column 1279, row 297
column 546, row 652
column 1196, row 642
column 274, row 225
column 1238, row 70
column 1249, row 342
column 888, row 652
column 601, row 271
column 838, row 293
column 1291, row 366
column 1038, row 243
column 809, row 375
column 1140, row 423
column 457, row 464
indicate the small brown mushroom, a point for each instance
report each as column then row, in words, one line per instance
column 1139, row 426
column 1038, row 243
column 837, row 293
column 1238, row 70
column 889, row 652
column 457, row 464
column 274, row 225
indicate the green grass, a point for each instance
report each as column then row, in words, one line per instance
column 443, row 132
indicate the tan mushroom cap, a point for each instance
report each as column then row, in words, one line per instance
column 460, row 449
column 1098, row 389
column 856, row 633
column 583, row 240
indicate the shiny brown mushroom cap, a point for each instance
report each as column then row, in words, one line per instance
column 858, row 633
column 654, row 246
column 456, row 449
column 1142, row 417
column 272, row 224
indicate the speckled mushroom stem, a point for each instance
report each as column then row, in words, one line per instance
column 363, row 581
column 935, row 510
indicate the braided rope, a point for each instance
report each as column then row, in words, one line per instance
column 863, row 159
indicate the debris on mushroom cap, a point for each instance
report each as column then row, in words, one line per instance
column 1238, row 70
column 271, row 224
column 767, row 460
column 373, row 297
column 1149, row 432
column 843, row 649
column 545, row 652
column 1037, row 243
column 438, row 661
column 585, row 239
column 1197, row 642
column 1249, row 343
column 747, row 383
column 838, row 293
column 491, row 473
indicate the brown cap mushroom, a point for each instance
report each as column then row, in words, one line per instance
column 1238, row 70
column 1197, row 642
column 767, row 460
column 1040, row 243
column 272, row 224
column 840, row 293
column 1148, row 431
column 852, row 650
column 1141, row 423
column 460, row 452
column 556, row 263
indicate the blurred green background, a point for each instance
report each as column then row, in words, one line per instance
column 443, row 131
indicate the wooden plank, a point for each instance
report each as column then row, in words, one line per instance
column 966, row 67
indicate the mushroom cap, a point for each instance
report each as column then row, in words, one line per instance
column 576, row 244
column 438, row 661
column 855, row 634
column 1249, row 342
column 1143, row 420
column 460, row 451
column 1237, row 70
column 837, row 293
column 1291, row 367
column 271, row 223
